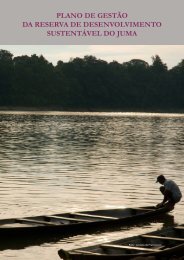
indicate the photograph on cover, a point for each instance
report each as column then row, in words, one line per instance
column 91, row 151
column 123, row 78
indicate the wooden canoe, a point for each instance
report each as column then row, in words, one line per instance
column 76, row 222
column 161, row 244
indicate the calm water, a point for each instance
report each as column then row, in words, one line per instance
column 52, row 162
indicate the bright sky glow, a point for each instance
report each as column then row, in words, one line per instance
column 170, row 54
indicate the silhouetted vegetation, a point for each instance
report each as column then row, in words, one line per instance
column 90, row 84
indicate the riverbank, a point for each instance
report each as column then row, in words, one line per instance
column 72, row 109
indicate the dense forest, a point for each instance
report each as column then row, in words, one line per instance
column 90, row 84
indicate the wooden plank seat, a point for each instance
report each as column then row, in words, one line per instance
column 113, row 246
column 85, row 252
column 179, row 228
column 34, row 221
column 163, row 238
column 147, row 209
column 66, row 218
column 136, row 211
column 93, row 216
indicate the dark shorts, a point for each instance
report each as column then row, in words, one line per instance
column 176, row 200
column 169, row 196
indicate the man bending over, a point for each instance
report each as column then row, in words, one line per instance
column 171, row 192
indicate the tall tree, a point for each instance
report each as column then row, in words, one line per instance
column 159, row 83
column 177, row 85
column 6, row 77
column 158, row 66
column 33, row 81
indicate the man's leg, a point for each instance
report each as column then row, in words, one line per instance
column 168, row 196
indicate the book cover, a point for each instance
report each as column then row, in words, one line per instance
column 91, row 112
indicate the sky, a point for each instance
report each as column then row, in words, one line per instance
column 170, row 54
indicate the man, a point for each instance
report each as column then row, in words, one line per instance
column 171, row 192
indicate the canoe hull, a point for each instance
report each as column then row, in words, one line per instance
column 171, row 245
column 175, row 252
column 75, row 228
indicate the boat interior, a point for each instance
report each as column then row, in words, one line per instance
column 73, row 217
column 153, row 242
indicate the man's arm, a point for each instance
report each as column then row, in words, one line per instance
column 166, row 196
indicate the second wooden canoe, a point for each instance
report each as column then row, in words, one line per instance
column 162, row 244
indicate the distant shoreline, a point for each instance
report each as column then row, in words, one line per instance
column 64, row 109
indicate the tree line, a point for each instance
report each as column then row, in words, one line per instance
column 90, row 84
